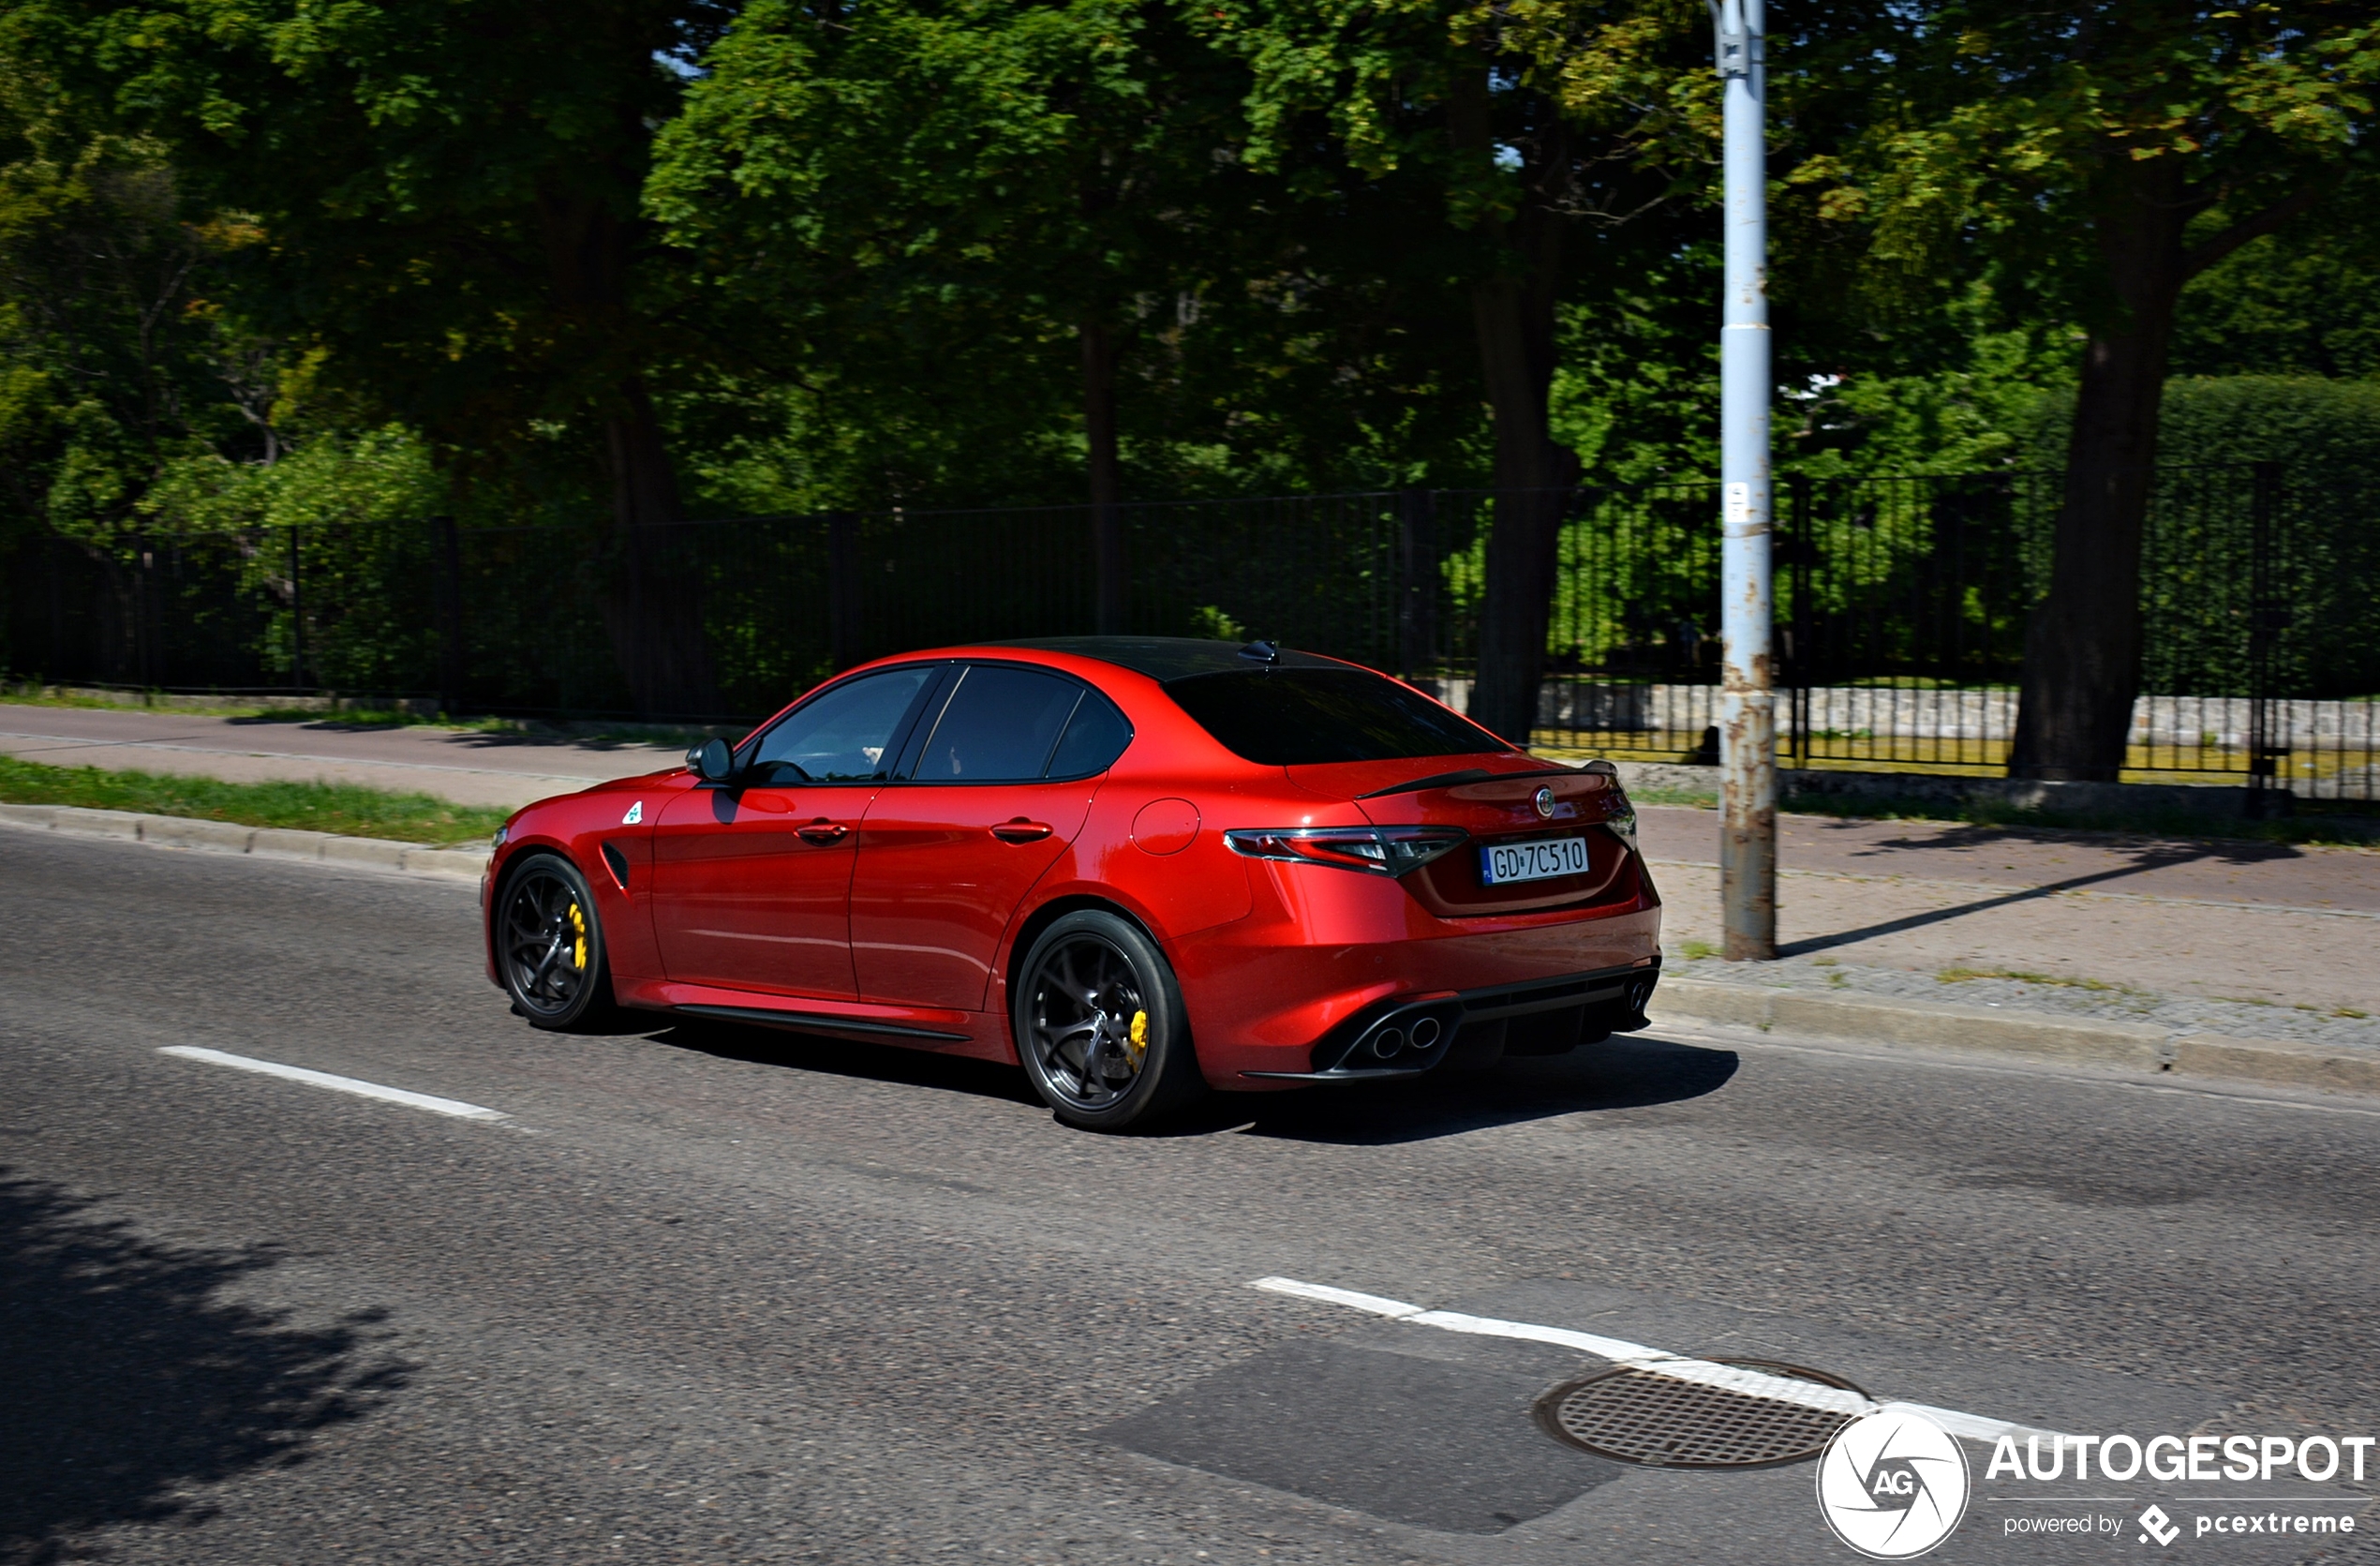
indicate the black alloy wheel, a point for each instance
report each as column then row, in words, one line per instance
column 550, row 945
column 1100, row 1026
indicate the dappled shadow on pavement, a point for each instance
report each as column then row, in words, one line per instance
column 2145, row 858
column 666, row 746
column 128, row 1381
column 2148, row 853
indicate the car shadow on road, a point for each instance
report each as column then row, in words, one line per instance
column 843, row 1057
column 1621, row 1073
column 1624, row 1073
column 129, row 1379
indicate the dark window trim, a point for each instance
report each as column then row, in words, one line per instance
column 896, row 745
column 913, row 755
column 919, row 730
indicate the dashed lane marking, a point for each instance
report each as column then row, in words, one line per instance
column 1658, row 1362
column 362, row 1089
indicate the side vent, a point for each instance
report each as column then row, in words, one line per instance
column 617, row 862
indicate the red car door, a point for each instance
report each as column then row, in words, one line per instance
column 751, row 877
column 998, row 786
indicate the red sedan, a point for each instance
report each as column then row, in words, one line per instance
column 1136, row 866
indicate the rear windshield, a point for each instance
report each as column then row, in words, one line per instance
column 1305, row 717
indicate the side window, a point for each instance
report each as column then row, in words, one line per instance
column 841, row 736
column 1000, row 726
column 1092, row 740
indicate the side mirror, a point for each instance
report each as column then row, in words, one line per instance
column 711, row 760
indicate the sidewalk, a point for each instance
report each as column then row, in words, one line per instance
column 2258, row 939
column 467, row 767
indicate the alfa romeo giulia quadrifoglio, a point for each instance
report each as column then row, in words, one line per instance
column 1138, row 867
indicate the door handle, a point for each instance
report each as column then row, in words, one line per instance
column 824, row 832
column 1021, row 831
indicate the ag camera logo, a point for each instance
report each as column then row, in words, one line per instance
column 1892, row 1484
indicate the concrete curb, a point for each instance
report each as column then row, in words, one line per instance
column 265, row 842
column 2076, row 1040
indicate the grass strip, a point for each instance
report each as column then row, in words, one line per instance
column 314, row 807
column 1961, row 976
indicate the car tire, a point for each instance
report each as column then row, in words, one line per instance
column 550, row 949
column 1100, row 1025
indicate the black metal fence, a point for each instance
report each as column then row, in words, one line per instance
column 1902, row 605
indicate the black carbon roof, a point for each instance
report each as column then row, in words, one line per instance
column 1170, row 657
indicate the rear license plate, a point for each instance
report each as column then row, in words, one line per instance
column 1532, row 861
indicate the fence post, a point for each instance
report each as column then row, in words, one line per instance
column 52, row 548
column 2267, row 617
column 1416, row 582
column 1798, row 662
column 297, row 619
column 842, row 587
column 143, row 613
column 1112, row 572
column 450, row 614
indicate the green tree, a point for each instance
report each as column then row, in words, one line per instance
column 1016, row 176
column 449, row 194
column 2105, row 160
column 1526, row 122
column 116, row 363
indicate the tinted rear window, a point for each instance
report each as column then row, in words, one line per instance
column 1304, row 717
column 1094, row 739
column 1000, row 726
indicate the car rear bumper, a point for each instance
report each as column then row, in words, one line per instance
column 1479, row 1027
column 1288, row 993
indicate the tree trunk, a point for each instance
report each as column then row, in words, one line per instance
column 2083, row 647
column 1514, row 314
column 653, row 610
column 1110, row 573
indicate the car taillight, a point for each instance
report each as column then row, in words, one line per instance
column 1381, row 850
column 1623, row 823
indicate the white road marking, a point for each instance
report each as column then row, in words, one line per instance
column 455, row 1106
column 1658, row 1362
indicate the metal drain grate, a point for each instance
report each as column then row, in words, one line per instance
column 1659, row 1421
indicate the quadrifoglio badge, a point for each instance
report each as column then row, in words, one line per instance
column 1894, row 1485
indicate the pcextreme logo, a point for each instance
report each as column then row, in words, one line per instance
column 1892, row 1484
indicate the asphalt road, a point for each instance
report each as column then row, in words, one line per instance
column 725, row 1296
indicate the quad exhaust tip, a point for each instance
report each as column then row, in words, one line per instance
column 1420, row 1036
column 1410, row 1037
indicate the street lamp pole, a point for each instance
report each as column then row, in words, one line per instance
column 1747, row 712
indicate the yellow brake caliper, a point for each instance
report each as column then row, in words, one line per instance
column 1137, row 1042
column 578, row 952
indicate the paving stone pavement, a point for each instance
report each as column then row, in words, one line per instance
column 2230, row 937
